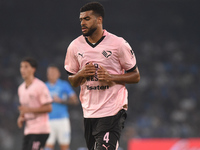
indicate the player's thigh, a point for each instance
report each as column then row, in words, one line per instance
column 64, row 132
column 26, row 142
column 53, row 132
column 107, row 140
column 35, row 141
column 89, row 137
column 40, row 140
column 108, row 131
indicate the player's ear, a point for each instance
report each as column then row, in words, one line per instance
column 100, row 20
column 34, row 70
column 59, row 74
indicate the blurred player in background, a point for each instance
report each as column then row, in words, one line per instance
column 62, row 94
column 35, row 101
column 101, row 63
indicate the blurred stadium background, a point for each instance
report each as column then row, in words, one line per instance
column 164, row 35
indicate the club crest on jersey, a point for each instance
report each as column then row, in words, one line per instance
column 107, row 53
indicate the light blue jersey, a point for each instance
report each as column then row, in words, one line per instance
column 63, row 90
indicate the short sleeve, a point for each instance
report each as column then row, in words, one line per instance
column 126, row 56
column 71, row 63
column 45, row 96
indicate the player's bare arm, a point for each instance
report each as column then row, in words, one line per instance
column 130, row 77
column 72, row 100
column 57, row 99
column 42, row 109
column 87, row 71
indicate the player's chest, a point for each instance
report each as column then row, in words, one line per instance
column 104, row 54
column 29, row 97
column 55, row 90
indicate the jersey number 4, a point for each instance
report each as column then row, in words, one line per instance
column 106, row 137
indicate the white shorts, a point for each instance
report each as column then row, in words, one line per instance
column 60, row 131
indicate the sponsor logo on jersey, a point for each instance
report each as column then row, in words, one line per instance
column 106, row 147
column 80, row 54
column 103, row 87
column 132, row 52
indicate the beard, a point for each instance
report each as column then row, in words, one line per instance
column 90, row 31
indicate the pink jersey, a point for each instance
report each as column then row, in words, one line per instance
column 35, row 95
column 99, row 99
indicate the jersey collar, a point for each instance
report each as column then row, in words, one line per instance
column 94, row 45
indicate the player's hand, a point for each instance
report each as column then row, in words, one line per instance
column 57, row 99
column 20, row 121
column 88, row 70
column 103, row 74
column 104, row 77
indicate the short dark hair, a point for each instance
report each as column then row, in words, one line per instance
column 31, row 61
column 53, row 65
column 97, row 8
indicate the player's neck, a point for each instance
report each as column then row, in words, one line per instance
column 96, row 36
column 52, row 82
column 29, row 81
